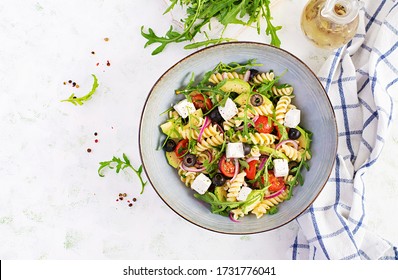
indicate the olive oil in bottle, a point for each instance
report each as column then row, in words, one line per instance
column 330, row 23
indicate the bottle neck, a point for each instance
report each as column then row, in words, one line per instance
column 341, row 11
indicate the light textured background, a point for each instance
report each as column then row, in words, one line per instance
column 53, row 205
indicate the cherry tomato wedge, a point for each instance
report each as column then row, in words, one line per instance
column 199, row 102
column 276, row 183
column 251, row 171
column 227, row 167
column 262, row 125
column 181, row 148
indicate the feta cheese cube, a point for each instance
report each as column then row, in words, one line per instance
column 292, row 118
column 244, row 193
column 281, row 167
column 235, row 150
column 201, row 183
column 184, row 107
column 229, row 110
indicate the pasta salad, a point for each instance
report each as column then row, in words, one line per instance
column 235, row 138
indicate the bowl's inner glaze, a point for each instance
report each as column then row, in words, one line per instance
column 316, row 115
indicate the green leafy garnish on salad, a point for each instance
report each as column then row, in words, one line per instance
column 80, row 100
column 121, row 164
column 199, row 13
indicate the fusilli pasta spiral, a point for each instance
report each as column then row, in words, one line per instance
column 210, row 142
column 263, row 139
column 262, row 208
column 218, row 77
column 263, row 77
column 235, row 186
column 281, row 108
column 288, row 90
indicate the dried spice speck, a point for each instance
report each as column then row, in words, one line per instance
column 95, row 133
column 106, row 39
column 134, row 199
column 92, row 52
column 131, row 204
column 108, row 63
column 96, row 140
column 88, row 150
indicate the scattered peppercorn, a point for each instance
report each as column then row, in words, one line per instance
column 108, row 63
column 73, row 84
column 121, row 198
column 125, row 194
column 131, row 204
column 92, row 52
column 88, row 150
column 134, row 199
column 70, row 81
column 95, row 133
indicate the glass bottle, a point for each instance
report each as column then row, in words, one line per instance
column 330, row 23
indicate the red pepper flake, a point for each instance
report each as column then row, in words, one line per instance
column 88, row 150
column 108, row 63
column 97, row 63
column 96, row 140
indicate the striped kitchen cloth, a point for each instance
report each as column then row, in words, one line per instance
column 359, row 79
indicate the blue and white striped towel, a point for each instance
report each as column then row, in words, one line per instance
column 359, row 79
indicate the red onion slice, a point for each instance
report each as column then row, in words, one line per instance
column 236, row 169
column 205, row 124
column 251, row 159
column 262, row 163
column 191, row 169
column 231, row 217
column 294, row 143
column 276, row 193
column 246, row 76
column 225, row 75
column 219, row 128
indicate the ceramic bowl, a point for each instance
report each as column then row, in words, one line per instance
column 317, row 116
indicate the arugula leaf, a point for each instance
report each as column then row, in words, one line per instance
column 217, row 206
column 119, row 164
column 80, row 100
column 199, row 13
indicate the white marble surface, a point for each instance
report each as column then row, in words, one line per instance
column 53, row 204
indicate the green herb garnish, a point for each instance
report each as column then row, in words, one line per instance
column 80, row 100
column 119, row 164
column 199, row 13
